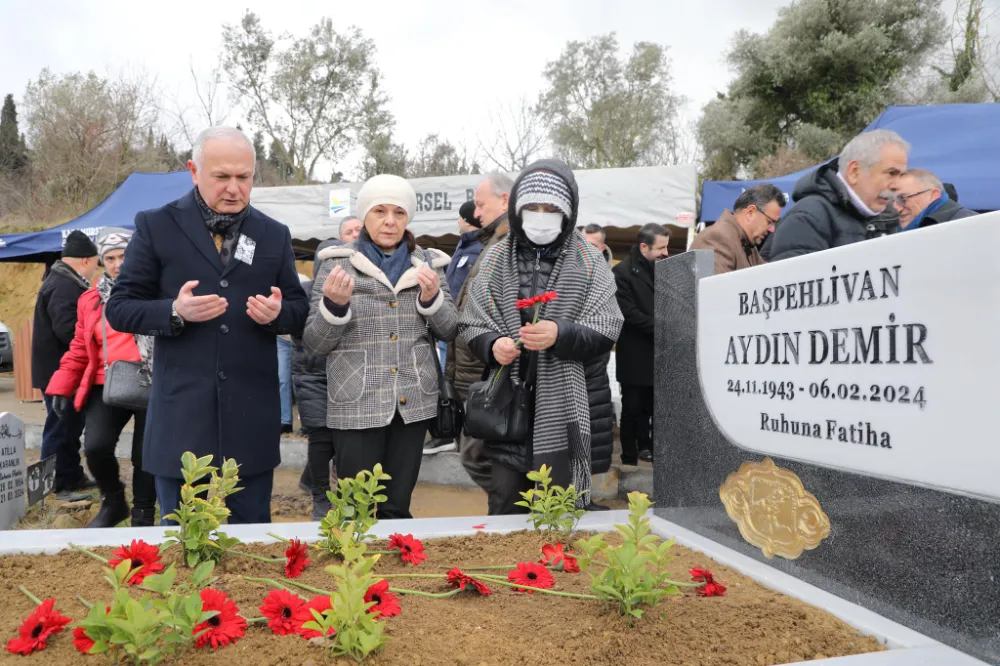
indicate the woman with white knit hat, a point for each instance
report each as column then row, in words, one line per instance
column 376, row 303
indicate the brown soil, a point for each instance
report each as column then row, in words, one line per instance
column 750, row 626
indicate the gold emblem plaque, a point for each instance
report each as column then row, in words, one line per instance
column 773, row 510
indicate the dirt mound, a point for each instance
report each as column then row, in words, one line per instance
column 19, row 285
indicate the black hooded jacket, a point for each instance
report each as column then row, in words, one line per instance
column 824, row 216
column 576, row 342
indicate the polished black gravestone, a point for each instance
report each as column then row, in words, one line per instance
column 926, row 559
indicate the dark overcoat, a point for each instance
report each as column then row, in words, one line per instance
column 215, row 383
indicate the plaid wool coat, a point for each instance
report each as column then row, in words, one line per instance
column 380, row 358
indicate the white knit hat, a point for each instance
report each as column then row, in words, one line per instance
column 387, row 189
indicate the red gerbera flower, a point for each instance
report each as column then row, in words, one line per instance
column 547, row 297
column 457, row 579
column 553, row 555
column 411, row 550
column 711, row 588
column 37, row 627
column 531, row 574
column 320, row 605
column 224, row 628
column 524, row 303
column 81, row 641
column 285, row 611
column 145, row 560
column 386, row 603
column 297, row 560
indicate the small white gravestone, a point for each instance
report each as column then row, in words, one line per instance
column 12, row 472
column 878, row 358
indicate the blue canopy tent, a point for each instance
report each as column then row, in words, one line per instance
column 959, row 143
column 140, row 191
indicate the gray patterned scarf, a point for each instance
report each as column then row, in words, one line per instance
column 143, row 342
column 586, row 288
column 221, row 224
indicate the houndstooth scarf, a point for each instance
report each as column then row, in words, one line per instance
column 586, row 289
column 227, row 226
column 143, row 342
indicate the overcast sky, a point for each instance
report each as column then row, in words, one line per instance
column 444, row 62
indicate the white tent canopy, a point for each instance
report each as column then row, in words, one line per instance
column 609, row 197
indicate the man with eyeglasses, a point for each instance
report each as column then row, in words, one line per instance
column 844, row 200
column 735, row 236
column 922, row 201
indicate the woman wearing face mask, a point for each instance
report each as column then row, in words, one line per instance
column 79, row 385
column 543, row 252
column 375, row 304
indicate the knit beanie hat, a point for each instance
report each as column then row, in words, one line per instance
column 111, row 238
column 468, row 213
column 387, row 189
column 544, row 187
column 79, row 245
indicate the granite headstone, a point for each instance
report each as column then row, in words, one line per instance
column 918, row 547
column 12, row 471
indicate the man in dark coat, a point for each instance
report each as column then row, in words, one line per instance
column 840, row 202
column 634, row 351
column 53, row 329
column 214, row 281
column 923, row 202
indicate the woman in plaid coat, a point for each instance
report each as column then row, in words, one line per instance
column 376, row 303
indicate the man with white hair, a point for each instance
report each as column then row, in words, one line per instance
column 838, row 203
column 214, row 366
column 923, row 202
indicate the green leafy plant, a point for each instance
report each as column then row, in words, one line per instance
column 202, row 509
column 552, row 507
column 634, row 573
column 352, row 509
column 148, row 630
column 358, row 633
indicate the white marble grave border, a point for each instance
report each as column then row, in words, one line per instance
column 906, row 647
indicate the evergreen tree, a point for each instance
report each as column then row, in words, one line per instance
column 12, row 151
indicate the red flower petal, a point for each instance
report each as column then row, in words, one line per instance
column 479, row 527
column 700, row 575
column 524, row 303
column 547, row 297
column 552, row 554
column 386, row 603
column 410, row 550
column 457, row 579
column 33, row 633
column 712, row 590
column 296, row 559
column 81, row 641
column 285, row 611
column 145, row 559
column 570, row 565
column 226, row 627
column 531, row 574
column 318, row 604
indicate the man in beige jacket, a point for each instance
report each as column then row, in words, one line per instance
column 735, row 235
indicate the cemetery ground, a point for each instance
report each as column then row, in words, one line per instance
column 749, row 626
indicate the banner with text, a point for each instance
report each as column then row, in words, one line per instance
column 878, row 358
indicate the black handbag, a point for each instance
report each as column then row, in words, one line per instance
column 451, row 413
column 126, row 383
column 499, row 408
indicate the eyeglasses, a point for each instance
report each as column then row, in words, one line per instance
column 767, row 217
column 903, row 198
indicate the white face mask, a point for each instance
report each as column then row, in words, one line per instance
column 541, row 228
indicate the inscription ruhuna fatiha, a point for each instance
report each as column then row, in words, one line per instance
column 889, row 343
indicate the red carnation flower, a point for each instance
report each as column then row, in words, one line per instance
column 553, row 555
column 547, row 297
column 386, row 603
column 525, row 303
column 297, row 560
column 81, row 641
column 711, row 588
column 224, row 628
column 285, row 611
column 531, row 574
column 411, row 550
column 459, row 580
column 320, row 605
column 145, row 560
column 36, row 628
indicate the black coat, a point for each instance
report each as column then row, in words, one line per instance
column 309, row 382
column 634, row 351
column 215, row 383
column 824, row 216
column 950, row 210
column 55, row 321
column 575, row 342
